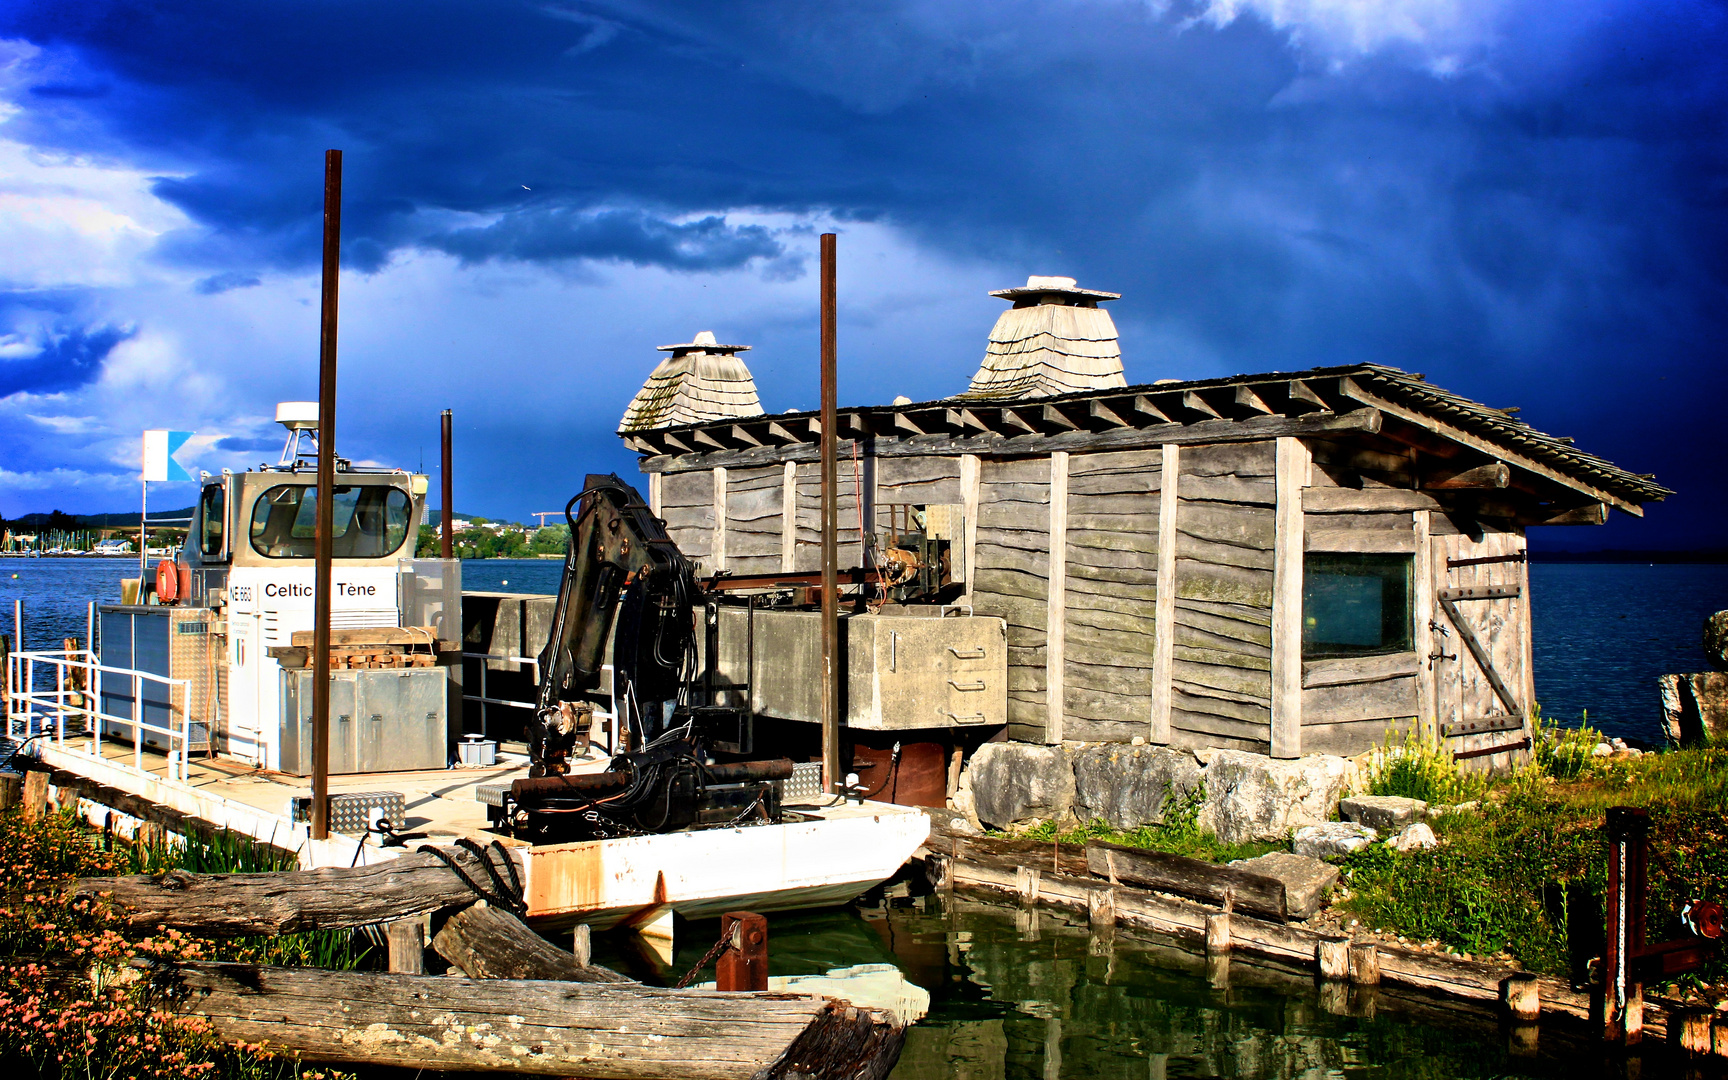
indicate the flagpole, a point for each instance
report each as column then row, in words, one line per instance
column 143, row 512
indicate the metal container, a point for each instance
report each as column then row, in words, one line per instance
column 383, row 720
column 176, row 643
column 476, row 751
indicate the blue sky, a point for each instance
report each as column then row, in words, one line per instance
column 1526, row 201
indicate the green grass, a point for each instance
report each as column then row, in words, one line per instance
column 1179, row 833
column 1421, row 769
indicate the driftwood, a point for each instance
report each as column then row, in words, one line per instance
column 485, row 943
column 292, row 901
column 532, row 1027
column 1193, row 878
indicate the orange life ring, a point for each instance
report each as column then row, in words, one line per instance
column 167, row 581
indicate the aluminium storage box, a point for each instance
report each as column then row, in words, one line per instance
column 381, row 720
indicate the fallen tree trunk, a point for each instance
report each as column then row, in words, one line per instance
column 533, row 1027
column 485, row 943
column 292, row 901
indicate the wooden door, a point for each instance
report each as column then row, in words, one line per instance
column 1479, row 643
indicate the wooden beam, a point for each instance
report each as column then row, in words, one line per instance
column 1193, row 402
column 1316, row 426
column 1590, row 514
column 969, row 419
column 701, row 435
column 814, row 426
column 788, row 517
column 1056, row 416
column 669, row 439
column 1056, row 611
column 781, row 432
column 1422, row 617
column 1195, row 878
column 717, row 546
column 486, row 943
column 1291, row 473
column 1318, row 500
column 1164, row 610
column 855, row 423
column 1250, row 402
column 1351, row 389
column 742, row 435
column 1145, row 406
column 1494, row 475
column 906, row 423
column 1300, row 393
column 541, row 1028
column 1100, row 411
column 1480, row 592
column 1010, row 418
column 1484, row 659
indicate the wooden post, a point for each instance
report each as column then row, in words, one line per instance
column 1422, row 618
column 325, row 516
column 1292, row 476
column 582, row 945
column 1217, row 933
column 1164, row 607
column 833, row 776
column 744, row 966
column 970, row 484
column 1521, row 996
column 1056, row 606
column 407, row 939
column 788, row 517
column 1101, row 911
column 1026, row 879
column 1364, row 963
column 1333, row 957
column 1689, row 1029
column 1719, row 1037
column 717, row 545
column 35, row 795
column 11, row 786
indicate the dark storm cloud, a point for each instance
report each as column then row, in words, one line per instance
column 226, row 282
column 1545, row 226
column 68, row 359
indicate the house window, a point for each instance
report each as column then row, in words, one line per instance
column 1355, row 605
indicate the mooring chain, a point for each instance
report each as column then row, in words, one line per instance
column 509, row 897
column 720, row 946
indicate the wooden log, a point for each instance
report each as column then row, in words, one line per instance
column 542, row 1028
column 1218, row 933
column 1332, row 955
column 582, row 945
column 407, row 941
column 1101, row 911
column 11, row 788
column 1689, row 1030
column 1188, row 877
column 486, row 943
column 289, row 902
column 1521, row 995
column 1364, row 963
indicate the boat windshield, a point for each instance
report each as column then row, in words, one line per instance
column 368, row 522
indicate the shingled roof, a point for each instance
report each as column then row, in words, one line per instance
column 702, row 380
column 1054, row 340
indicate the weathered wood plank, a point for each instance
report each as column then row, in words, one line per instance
column 485, row 943
column 288, row 902
column 1318, row 500
column 1203, row 700
column 1359, row 701
column 1359, row 669
column 539, row 1028
column 1222, row 584
column 1287, row 701
column 1373, row 541
column 1229, row 489
column 1253, row 616
column 1193, row 878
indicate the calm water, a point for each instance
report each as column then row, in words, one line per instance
column 1604, row 632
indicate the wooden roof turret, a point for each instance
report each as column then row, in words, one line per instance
column 702, row 380
column 1054, row 340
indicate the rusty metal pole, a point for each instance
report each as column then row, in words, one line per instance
column 744, row 966
column 326, row 495
column 447, row 542
column 831, row 773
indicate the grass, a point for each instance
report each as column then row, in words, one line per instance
column 1505, row 874
column 1179, row 833
column 60, row 1028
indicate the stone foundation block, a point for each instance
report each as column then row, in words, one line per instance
column 1332, row 839
column 1306, row 880
column 1387, row 813
column 1129, row 786
column 1012, row 783
column 1253, row 797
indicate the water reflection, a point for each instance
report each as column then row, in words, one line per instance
column 1026, row 995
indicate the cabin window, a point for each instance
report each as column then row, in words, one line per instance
column 368, row 522
column 211, row 519
column 1355, row 605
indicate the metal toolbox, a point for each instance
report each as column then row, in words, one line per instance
column 176, row 643
column 382, row 720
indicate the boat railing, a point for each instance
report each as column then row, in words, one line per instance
column 485, row 699
column 58, row 695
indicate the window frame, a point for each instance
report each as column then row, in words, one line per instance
column 1403, row 621
column 309, row 493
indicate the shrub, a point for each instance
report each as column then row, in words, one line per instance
column 1422, row 769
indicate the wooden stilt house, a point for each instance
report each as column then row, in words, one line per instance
column 1284, row 563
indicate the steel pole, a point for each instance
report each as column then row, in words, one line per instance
column 326, row 495
column 447, row 542
column 831, row 774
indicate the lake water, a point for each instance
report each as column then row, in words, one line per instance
column 1603, row 632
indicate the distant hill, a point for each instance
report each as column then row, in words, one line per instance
column 57, row 520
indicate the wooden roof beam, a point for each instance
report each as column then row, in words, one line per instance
column 906, row 423
column 1494, row 475
column 740, row 433
column 780, row 431
column 1594, row 513
column 1193, row 402
column 1105, row 414
column 1248, row 403
column 1056, row 416
column 706, row 439
column 669, row 439
column 855, row 423
column 1302, row 398
column 1145, row 406
column 1010, row 418
column 962, row 419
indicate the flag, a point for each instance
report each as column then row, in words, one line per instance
column 159, row 450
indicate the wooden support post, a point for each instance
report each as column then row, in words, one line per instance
column 1101, row 911
column 150, row 834
column 1689, row 1030
column 788, row 517
column 717, row 546
column 1218, row 969
column 1292, row 476
column 407, row 940
column 1521, row 996
column 1422, row 618
column 1523, row 1040
column 582, row 945
column 743, row 966
column 35, row 794
column 1334, row 998
column 11, row 787
column 971, row 479
column 324, row 517
column 1719, row 1037
column 1333, row 957
column 1164, row 608
column 1026, row 879
column 1217, row 933
column 1364, row 963
column 833, row 776
column 1056, row 608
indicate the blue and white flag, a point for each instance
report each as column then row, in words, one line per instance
column 159, row 450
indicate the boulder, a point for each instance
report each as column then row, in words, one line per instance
column 1008, row 783
column 1254, row 797
column 1332, row 839
column 1417, row 837
column 1387, row 813
column 1695, row 707
column 1306, row 880
column 1128, row 786
column 1716, row 640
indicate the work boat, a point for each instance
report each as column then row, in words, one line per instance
column 199, row 700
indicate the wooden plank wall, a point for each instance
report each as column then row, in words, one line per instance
column 1111, row 595
column 807, row 542
column 753, row 503
column 687, row 505
column 1221, row 670
column 1013, row 579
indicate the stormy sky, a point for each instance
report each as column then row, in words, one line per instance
column 1526, row 201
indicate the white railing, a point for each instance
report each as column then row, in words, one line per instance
column 33, row 713
column 484, row 699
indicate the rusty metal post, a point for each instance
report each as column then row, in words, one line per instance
column 326, row 495
column 832, row 774
column 744, row 966
column 447, row 542
column 1622, row 994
